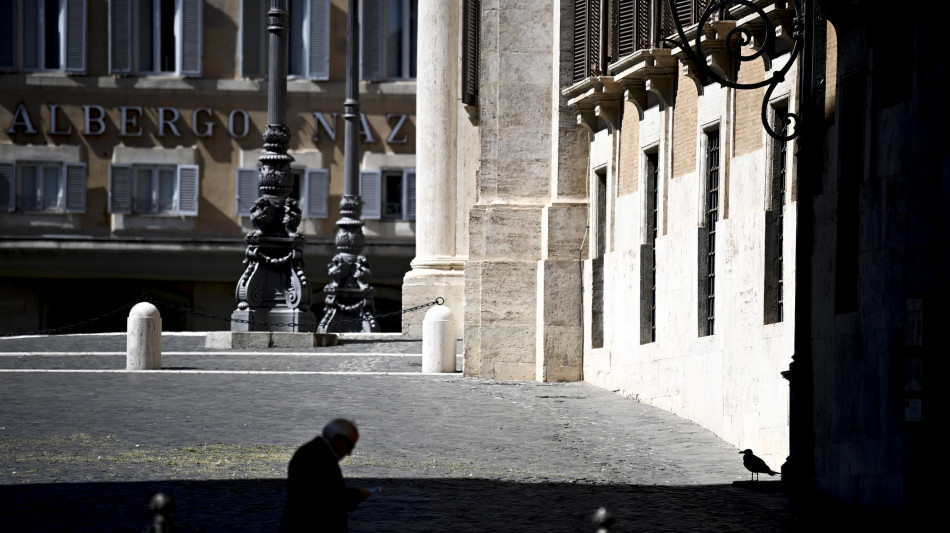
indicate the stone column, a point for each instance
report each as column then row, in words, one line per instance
column 436, row 270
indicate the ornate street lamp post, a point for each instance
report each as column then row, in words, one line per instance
column 349, row 305
column 273, row 294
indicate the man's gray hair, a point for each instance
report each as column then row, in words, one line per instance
column 341, row 427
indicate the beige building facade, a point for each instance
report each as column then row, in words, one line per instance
column 129, row 139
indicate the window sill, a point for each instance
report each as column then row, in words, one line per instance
column 40, row 220
column 122, row 223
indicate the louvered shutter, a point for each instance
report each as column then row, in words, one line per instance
column 120, row 36
column 8, row 38
column 370, row 193
column 7, row 185
column 75, row 37
column 371, row 45
column 626, row 27
column 253, row 39
column 409, row 195
column 75, row 187
column 246, row 190
column 317, row 191
column 586, row 39
column 642, row 25
column 470, row 33
column 188, row 190
column 319, row 68
column 120, row 189
column 191, row 37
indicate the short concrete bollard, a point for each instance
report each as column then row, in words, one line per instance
column 143, row 348
column 438, row 340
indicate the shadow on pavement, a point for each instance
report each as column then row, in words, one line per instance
column 416, row 505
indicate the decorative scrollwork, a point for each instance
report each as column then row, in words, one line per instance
column 738, row 39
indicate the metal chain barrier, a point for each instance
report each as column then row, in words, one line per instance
column 179, row 308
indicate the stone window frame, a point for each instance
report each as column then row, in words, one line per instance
column 73, row 183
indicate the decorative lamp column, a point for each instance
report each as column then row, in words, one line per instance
column 349, row 305
column 273, row 294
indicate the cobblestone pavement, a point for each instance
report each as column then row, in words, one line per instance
column 85, row 451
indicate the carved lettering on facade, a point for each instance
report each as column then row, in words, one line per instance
column 165, row 120
column 129, row 118
column 202, row 123
column 21, row 119
column 322, row 123
column 245, row 121
column 94, row 122
column 207, row 127
column 53, row 119
column 394, row 137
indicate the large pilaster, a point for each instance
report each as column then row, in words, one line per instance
column 437, row 269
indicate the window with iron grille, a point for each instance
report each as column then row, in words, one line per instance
column 648, row 255
column 775, row 225
column 707, row 267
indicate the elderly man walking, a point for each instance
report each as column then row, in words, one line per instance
column 317, row 497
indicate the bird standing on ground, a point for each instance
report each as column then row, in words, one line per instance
column 755, row 465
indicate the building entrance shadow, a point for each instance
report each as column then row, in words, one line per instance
column 418, row 505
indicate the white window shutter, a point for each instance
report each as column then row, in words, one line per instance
column 319, row 68
column 253, row 39
column 75, row 187
column 188, row 190
column 246, row 190
column 120, row 189
column 371, row 41
column 370, row 184
column 8, row 37
column 120, row 36
column 317, row 182
column 75, row 36
column 409, row 198
column 191, row 37
column 7, row 186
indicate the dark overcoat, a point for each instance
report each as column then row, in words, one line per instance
column 317, row 497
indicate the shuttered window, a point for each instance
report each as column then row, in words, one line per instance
column 7, row 186
column 470, row 33
column 590, row 52
column 75, row 187
column 253, row 39
column 309, row 47
column 315, row 196
column 192, row 12
column 53, row 36
column 388, row 39
column 42, row 186
column 156, row 37
column 154, row 189
column 370, row 194
column 246, row 190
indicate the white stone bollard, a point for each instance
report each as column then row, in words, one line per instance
column 438, row 340
column 143, row 348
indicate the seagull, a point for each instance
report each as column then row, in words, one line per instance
column 755, row 465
